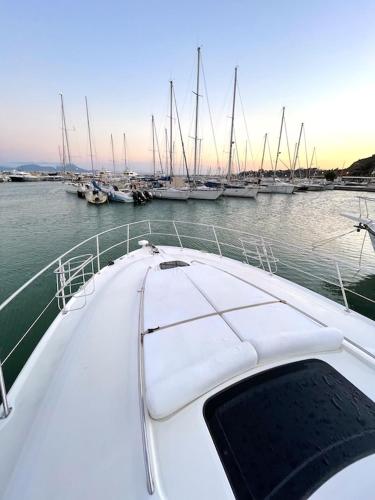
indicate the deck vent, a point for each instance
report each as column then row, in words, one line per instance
column 172, row 264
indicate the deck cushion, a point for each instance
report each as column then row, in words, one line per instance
column 293, row 343
column 170, row 394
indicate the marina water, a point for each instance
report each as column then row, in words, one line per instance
column 40, row 221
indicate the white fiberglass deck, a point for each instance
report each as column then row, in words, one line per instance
column 75, row 429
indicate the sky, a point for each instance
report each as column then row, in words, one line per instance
column 315, row 58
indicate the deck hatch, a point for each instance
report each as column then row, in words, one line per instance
column 172, row 264
column 284, row 432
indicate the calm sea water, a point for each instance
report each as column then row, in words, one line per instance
column 39, row 221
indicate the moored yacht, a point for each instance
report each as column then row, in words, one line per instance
column 174, row 373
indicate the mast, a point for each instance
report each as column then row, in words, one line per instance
column 166, row 152
column 196, row 113
column 264, row 150
column 170, row 130
column 245, row 166
column 65, row 132
column 89, row 130
column 279, row 143
column 297, row 151
column 113, row 155
column 232, row 125
column 181, row 138
column 153, row 142
column 125, row 161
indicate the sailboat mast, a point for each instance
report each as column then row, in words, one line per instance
column 196, row 112
column 264, row 150
column 113, row 155
column 279, row 143
column 153, row 143
column 125, row 160
column 65, row 132
column 166, row 151
column 171, row 130
column 297, row 150
column 232, row 125
column 89, row 130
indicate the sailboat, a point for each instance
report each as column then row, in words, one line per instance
column 200, row 192
column 93, row 195
column 72, row 187
column 275, row 185
column 168, row 192
column 113, row 193
column 236, row 189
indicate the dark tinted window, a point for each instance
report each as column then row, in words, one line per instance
column 282, row 433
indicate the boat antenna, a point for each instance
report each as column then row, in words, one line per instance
column 113, row 155
column 65, row 131
column 196, row 113
column 153, row 142
column 125, row 161
column 232, row 125
column 279, row 143
column 181, row 137
column 89, row 130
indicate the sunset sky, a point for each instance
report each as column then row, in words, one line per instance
column 316, row 58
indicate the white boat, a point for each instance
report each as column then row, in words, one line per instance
column 275, row 186
column 96, row 197
column 240, row 191
column 180, row 374
column 204, row 193
column 23, row 177
column 170, row 193
column 114, row 194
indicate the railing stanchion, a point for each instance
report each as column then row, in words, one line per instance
column 266, row 256
column 97, row 252
column 127, row 238
column 61, row 273
column 3, row 393
column 149, row 227
column 342, row 288
column 217, row 241
column 178, row 236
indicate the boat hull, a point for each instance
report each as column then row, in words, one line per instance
column 170, row 194
column 205, row 194
column 96, row 198
column 277, row 188
column 247, row 192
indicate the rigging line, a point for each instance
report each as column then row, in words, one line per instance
column 158, row 150
column 332, row 238
column 236, row 151
column 181, row 137
column 287, row 145
column 306, row 153
column 210, row 114
column 269, row 153
column 245, row 122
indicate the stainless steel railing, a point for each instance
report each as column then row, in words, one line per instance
column 267, row 253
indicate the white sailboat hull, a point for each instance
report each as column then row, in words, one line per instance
column 241, row 192
column 277, row 188
column 205, row 194
column 170, row 194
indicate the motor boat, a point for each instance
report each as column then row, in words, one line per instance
column 175, row 373
column 275, row 186
column 96, row 197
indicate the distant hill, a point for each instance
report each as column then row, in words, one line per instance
column 33, row 167
column 364, row 167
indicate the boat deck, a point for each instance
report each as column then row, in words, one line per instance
column 75, row 429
